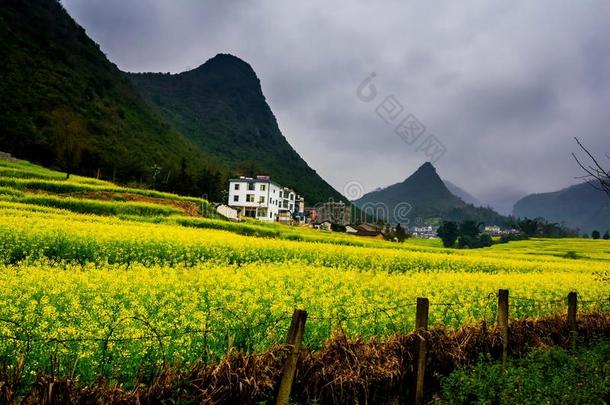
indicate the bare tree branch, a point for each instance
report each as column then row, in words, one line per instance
column 596, row 176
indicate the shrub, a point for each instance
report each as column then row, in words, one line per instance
column 553, row 376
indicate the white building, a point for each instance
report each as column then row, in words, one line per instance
column 493, row 230
column 423, row 232
column 262, row 198
column 228, row 212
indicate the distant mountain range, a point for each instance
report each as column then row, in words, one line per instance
column 429, row 199
column 462, row 194
column 580, row 206
column 65, row 104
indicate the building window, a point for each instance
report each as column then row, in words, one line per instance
column 261, row 199
column 235, row 198
column 271, row 215
column 251, row 186
column 236, row 186
column 263, row 187
column 249, row 197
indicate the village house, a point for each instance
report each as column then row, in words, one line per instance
column 324, row 225
column 493, row 230
column 299, row 216
column 311, row 214
column 337, row 213
column 364, row 229
column 263, row 199
column 423, row 232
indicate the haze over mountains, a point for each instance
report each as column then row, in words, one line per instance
column 463, row 194
column 428, row 198
column 65, row 104
column 580, row 206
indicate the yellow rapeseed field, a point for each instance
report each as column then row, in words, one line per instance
column 110, row 294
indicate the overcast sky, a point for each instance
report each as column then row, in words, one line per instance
column 503, row 86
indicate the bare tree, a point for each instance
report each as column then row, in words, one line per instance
column 595, row 174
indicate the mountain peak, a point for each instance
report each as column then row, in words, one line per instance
column 427, row 197
column 226, row 59
column 226, row 67
column 427, row 169
column 426, row 173
column 223, row 71
column 221, row 108
column 424, row 191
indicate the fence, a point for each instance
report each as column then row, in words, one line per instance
column 500, row 310
column 297, row 327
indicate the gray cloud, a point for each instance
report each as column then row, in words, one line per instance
column 504, row 85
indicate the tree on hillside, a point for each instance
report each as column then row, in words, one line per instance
column 250, row 168
column 595, row 174
column 184, row 179
column 529, row 226
column 485, row 240
column 470, row 229
column 469, row 234
column 400, row 234
column 155, row 174
column 595, row 234
column 211, row 183
column 606, row 235
column 448, row 232
column 70, row 139
column 539, row 227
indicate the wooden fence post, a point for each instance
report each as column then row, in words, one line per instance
column 572, row 308
column 421, row 325
column 503, row 323
column 230, row 342
column 295, row 338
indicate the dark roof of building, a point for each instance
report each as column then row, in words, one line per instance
column 369, row 227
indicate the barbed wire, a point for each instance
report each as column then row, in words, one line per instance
column 274, row 320
column 376, row 311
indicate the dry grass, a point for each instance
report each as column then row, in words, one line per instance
column 189, row 208
column 343, row 371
